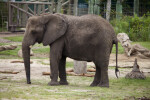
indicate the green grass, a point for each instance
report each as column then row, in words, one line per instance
column 144, row 44
column 77, row 89
column 15, row 38
column 39, row 48
column 120, row 49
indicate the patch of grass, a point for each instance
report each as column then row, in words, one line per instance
column 77, row 89
column 39, row 48
column 144, row 44
column 69, row 64
column 10, row 54
column 15, row 38
column 1, row 44
column 120, row 49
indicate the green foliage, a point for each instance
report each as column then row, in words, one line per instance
column 137, row 28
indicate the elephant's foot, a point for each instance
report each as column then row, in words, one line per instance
column 63, row 83
column 53, row 83
column 94, row 84
column 103, row 85
column 28, row 82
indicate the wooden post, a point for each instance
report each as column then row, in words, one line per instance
column 10, row 17
column 80, row 67
column 75, row 7
column 108, row 10
column 59, row 6
column 70, row 11
column 118, row 9
column 39, row 8
column 51, row 7
column 43, row 8
column 18, row 15
column 24, row 15
column 136, row 7
column 97, row 7
column 91, row 8
column 35, row 9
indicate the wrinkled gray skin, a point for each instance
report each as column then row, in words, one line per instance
column 85, row 38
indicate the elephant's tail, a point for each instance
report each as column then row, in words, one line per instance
column 116, row 69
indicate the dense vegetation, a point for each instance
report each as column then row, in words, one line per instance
column 137, row 28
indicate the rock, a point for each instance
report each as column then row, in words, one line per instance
column 135, row 73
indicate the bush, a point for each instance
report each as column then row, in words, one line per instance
column 137, row 28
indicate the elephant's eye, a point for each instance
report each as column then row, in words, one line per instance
column 33, row 31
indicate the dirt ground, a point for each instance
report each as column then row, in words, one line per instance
column 38, row 67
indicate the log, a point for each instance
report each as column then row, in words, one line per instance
column 9, row 72
column 71, row 73
column 69, row 70
column 123, row 66
column 1, row 78
column 91, row 70
column 86, row 75
column 18, row 61
column 45, row 73
column 8, row 47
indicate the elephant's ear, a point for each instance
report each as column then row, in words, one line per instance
column 55, row 27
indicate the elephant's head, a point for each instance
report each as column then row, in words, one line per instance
column 42, row 29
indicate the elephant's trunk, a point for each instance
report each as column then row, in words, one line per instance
column 26, row 57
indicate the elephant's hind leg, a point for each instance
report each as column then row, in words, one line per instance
column 62, row 71
column 96, row 80
column 104, row 82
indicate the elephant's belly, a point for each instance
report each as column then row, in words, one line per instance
column 80, row 53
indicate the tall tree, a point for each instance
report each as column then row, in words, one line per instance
column 108, row 10
column 136, row 7
column 118, row 9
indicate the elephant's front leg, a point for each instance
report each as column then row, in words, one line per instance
column 54, row 64
column 62, row 71
column 54, row 71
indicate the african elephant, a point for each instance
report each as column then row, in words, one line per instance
column 85, row 38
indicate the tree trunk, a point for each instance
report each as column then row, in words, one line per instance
column 97, row 7
column 136, row 7
column 75, row 7
column 108, row 10
column 80, row 67
column 91, row 8
column 59, row 6
column 118, row 10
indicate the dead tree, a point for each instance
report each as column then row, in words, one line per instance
column 135, row 73
column 134, row 49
